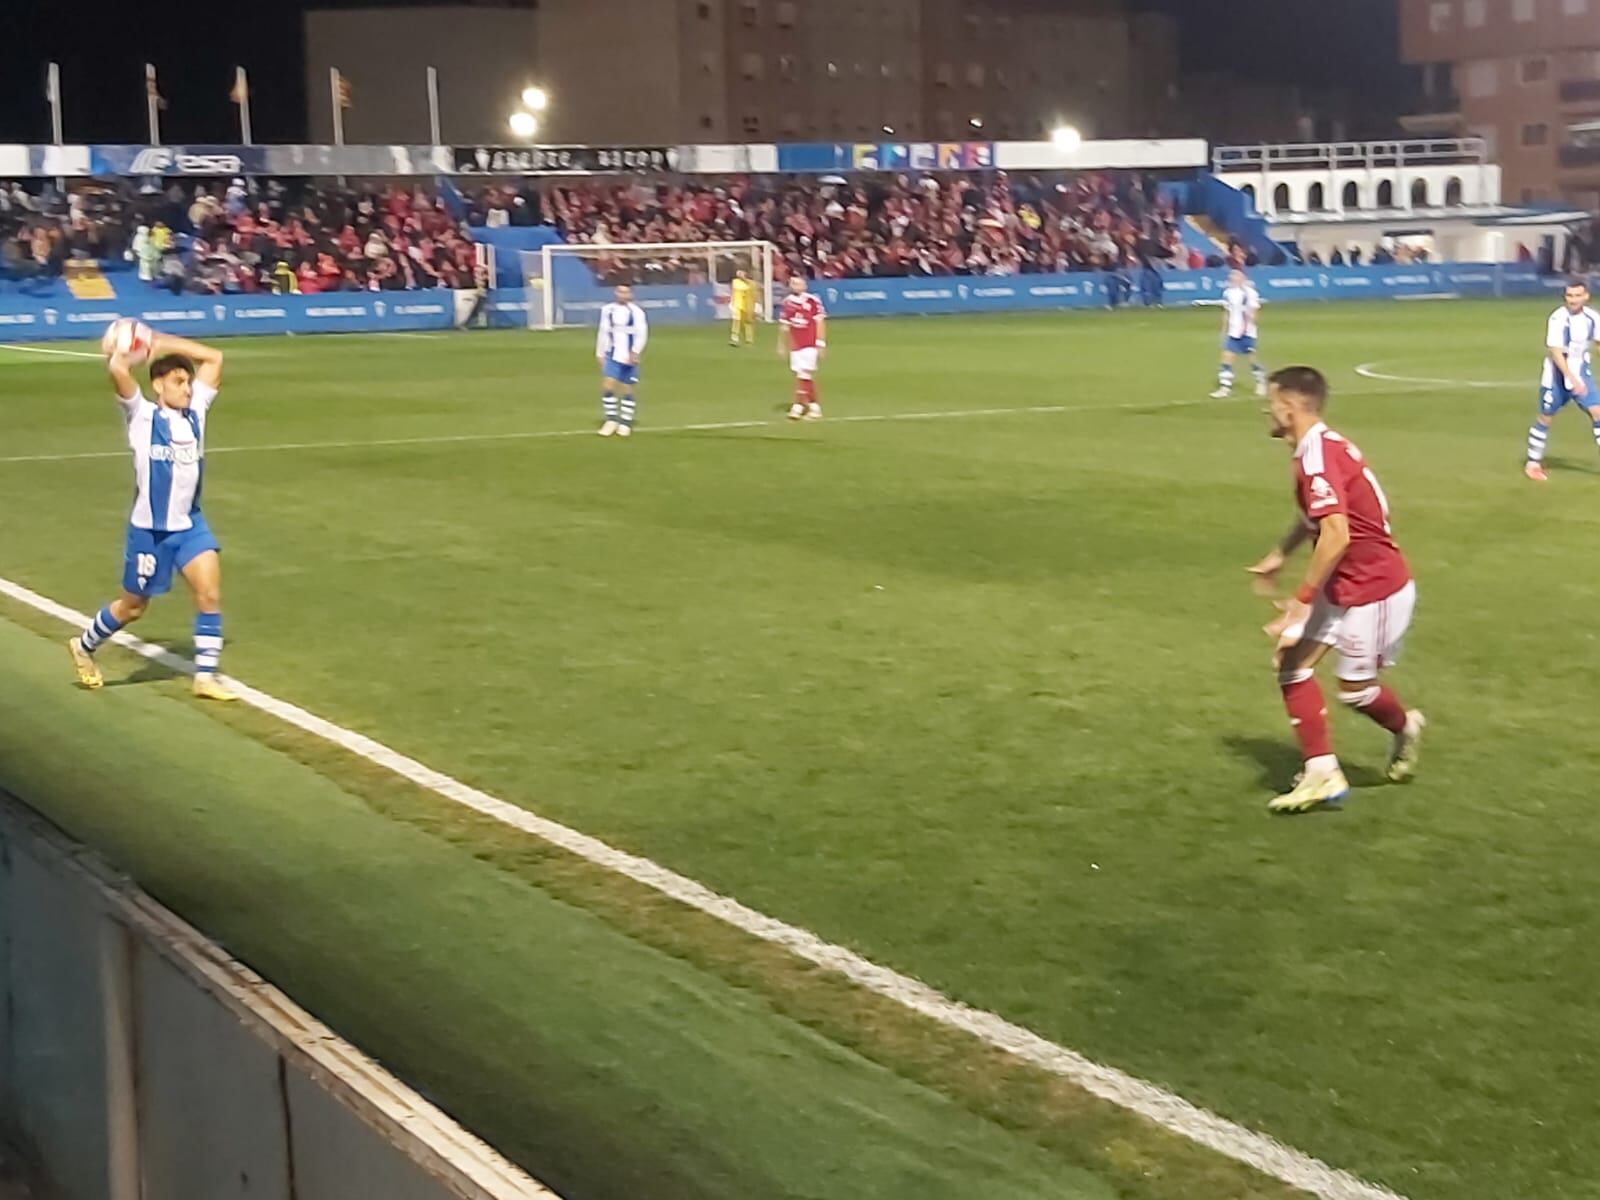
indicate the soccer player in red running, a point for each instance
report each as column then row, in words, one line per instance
column 1357, row 593
column 803, row 335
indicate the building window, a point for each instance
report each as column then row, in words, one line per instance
column 1419, row 193
column 943, row 75
column 752, row 124
column 1522, row 10
column 833, row 70
column 1483, row 79
column 703, row 11
column 708, row 63
column 1537, row 134
column 1574, row 8
column 1439, row 14
column 1316, row 199
column 1474, row 13
column 751, row 66
column 1535, row 70
column 1280, row 198
column 787, row 14
column 788, row 66
column 1002, row 78
column 1452, row 192
column 750, row 13
column 886, row 70
column 1385, row 194
column 791, row 125
column 1352, row 196
column 705, row 122
column 975, row 74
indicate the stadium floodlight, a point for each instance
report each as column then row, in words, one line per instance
column 889, row 129
column 1066, row 138
column 524, row 124
column 535, row 99
column 975, row 122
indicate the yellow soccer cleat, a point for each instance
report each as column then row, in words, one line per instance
column 1325, row 787
column 88, row 670
column 208, row 687
column 1407, row 748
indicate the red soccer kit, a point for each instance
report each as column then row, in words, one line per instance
column 800, row 315
column 1330, row 477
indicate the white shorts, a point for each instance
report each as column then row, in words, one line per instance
column 1368, row 636
column 803, row 362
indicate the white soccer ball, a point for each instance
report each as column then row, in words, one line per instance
column 129, row 338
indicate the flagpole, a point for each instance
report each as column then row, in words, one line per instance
column 152, row 100
column 433, row 104
column 53, row 91
column 241, row 89
column 338, row 108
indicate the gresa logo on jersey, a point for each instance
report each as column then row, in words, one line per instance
column 185, row 455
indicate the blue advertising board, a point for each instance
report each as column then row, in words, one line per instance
column 27, row 319
column 23, row 319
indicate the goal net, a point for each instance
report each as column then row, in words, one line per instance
column 672, row 281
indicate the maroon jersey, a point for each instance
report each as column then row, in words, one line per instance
column 801, row 314
column 1330, row 478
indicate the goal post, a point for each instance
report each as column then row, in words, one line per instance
column 674, row 282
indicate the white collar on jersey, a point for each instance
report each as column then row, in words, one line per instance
column 1316, row 431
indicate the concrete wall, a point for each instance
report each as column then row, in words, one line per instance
column 485, row 57
column 137, row 1062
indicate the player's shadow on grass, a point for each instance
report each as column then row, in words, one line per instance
column 1577, row 466
column 147, row 672
column 1279, row 761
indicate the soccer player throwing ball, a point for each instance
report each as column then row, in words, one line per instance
column 803, row 335
column 167, row 532
column 1568, row 372
column 1357, row 593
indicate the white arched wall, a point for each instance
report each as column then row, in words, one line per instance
column 1480, row 185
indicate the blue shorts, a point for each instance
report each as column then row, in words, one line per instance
column 151, row 557
column 628, row 374
column 1557, row 396
column 1243, row 345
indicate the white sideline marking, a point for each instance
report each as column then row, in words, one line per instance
column 1370, row 371
column 1171, row 1112
column 46, row 350
column 588, row 431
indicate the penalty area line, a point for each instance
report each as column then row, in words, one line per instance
column 1370, row 371
column 1171, row 1112
column 588, row 431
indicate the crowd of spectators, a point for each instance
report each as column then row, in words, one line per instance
column 274, row 236
column 240, row 237
column 889, row 225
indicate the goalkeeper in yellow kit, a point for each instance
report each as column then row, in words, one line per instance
column 742, row 309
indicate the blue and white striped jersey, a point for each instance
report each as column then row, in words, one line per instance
column 1574, row 334
column 168, row 459
column 1241, row 304
column 623, row 333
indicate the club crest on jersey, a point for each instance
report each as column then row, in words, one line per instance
column 1322, row 493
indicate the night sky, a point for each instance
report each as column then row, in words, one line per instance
column 102, row 47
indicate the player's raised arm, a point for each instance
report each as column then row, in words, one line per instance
column 121, row 372
column 207, row 359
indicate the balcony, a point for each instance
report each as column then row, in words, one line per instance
column 1582, row 92
column 1579, row 156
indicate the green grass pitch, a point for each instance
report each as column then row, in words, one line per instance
column 982, row 696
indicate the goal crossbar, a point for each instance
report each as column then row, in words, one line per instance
column 563, row 292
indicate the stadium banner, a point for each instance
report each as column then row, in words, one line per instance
column 562, row 160
column 832, row 157
column 26, row 319
column 23, row 319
